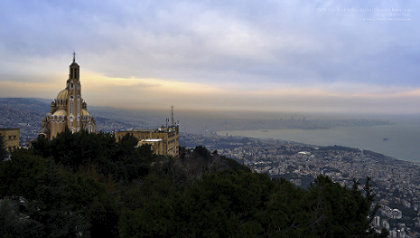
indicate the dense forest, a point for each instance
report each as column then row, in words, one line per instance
column 88, row 185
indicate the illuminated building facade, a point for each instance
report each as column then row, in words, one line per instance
column 68, row 109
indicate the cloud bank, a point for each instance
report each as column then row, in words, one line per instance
column 271, row 55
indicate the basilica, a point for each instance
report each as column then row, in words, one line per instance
column 68, row 109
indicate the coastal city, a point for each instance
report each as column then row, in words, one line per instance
column 209, row 119
column 396, row 183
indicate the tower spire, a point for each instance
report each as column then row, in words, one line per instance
column 74, row 56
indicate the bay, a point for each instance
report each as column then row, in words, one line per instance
column 401, row 141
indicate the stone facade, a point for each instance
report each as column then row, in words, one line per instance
column 68, row 109
column 11, row 137
column 163, row 141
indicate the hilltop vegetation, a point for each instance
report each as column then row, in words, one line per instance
column 88, row 185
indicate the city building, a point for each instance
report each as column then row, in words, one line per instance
column 163, row 141
column 68, row 109
column 11, row 137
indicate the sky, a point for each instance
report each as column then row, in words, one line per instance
column 291, row 55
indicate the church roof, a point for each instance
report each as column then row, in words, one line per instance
column 60, row 113
column 63, row 94
column 84, row 112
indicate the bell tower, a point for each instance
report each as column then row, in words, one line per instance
column 68, row 109
column 75, row 99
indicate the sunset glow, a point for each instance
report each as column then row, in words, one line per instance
column 293, row 55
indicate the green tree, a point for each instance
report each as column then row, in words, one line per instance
column 226, row 204
column 14, row 222
column 149, row 209
column 243, row 204
column 340, row 212
column 64, row 204
column 287, row 211
column 75, row 151
column 89, row 185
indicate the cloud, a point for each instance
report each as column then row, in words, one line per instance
column 153, row 93
column 225, row 51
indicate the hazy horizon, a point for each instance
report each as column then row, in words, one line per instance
column 238, row 112
column 363, row 131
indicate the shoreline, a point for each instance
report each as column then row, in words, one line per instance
column 268, row 135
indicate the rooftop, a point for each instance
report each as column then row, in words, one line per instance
column 7, row 129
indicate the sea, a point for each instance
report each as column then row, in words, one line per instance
column 401, row 141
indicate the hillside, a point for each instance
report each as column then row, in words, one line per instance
column 88, row 185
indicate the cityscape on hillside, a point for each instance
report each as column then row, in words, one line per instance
column 395, row 182
column 209, row 118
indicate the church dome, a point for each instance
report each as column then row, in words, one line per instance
column 84, row 112
column 60, row 113
column 63, row 94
